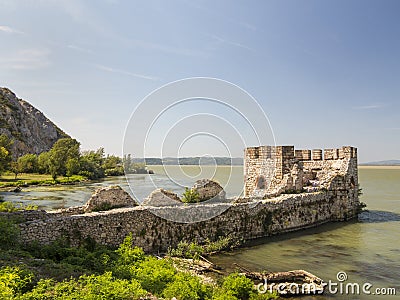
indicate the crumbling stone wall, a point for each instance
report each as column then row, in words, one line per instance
column 161, row 197
column 109, row 197
column 331, row 182
column 208, row 189
column 242, row 221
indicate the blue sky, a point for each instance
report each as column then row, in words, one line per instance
column 327, row 73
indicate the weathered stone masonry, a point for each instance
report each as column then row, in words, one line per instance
column 332, row 196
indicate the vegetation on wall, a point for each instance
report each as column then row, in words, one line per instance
column 190, row 196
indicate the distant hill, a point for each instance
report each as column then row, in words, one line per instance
column 29, row 128
column 393, row 162
column 222, row 161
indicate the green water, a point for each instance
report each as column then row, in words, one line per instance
column 368, row 249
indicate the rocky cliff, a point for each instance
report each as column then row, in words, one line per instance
column 29, row 128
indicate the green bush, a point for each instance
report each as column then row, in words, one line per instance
column 238, row 285
column 154, row 274
column 186, row 250
column 190, row 196
column 12, row 207
column 194, row 250
column 7, row 207
column 129, row 254
column 9, row 233
column 13, row 281
column 222, row 243
column 91, row 287
column 187, row 287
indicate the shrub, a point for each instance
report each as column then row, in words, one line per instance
column 12, row 207
column 190, row 196
column 238, row 285
column 13, row 281
column 154, row 274
column 222, row 243
column 127, row 253
column 186, row 250
column 7, row 207
column 103, row 286
column 187, row 287
column 9, row 233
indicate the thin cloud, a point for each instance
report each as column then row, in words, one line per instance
column 225, row 41
column 123, row 72
column 164, row 48
column 371, row 106
column 80, row 49
column 8, row 29
column 27, row 59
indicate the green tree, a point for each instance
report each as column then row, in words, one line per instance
column 16, row 168
column 112, row 161
column 91, row 163
column 113, row 166
column 28, row 163
column 5, row 153
column 44, row 163
column 62, row 151
column 72, row 166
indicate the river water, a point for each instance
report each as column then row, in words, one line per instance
column 367, row 249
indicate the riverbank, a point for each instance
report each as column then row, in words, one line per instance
column 379, row 167
column 25, row 180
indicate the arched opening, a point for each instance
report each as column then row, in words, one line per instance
column 260, row 184
column 352, row 182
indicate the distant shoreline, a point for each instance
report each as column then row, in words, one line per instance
column 378, row 167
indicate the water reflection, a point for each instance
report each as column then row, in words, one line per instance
column 376, row 216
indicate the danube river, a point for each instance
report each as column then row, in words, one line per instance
column 367, row 249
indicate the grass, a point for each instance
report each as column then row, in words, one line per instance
column 8, row 179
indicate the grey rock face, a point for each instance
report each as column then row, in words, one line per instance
column 29, row 128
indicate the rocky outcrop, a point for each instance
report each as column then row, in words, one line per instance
column 209, row 189
column 108, row 198
column 161, row 197
column 29, row 128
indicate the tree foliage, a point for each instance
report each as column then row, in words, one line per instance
column 5, row 153
column 62, row 151
column 28, row 163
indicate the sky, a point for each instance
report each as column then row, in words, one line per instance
column 325, row 73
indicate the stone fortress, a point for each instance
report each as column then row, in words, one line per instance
column 284, row 190
column 273, row 170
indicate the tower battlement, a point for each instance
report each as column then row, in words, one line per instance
column 272, row 170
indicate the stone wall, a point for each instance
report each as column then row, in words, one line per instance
column 328, row 182
column 242, row 221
